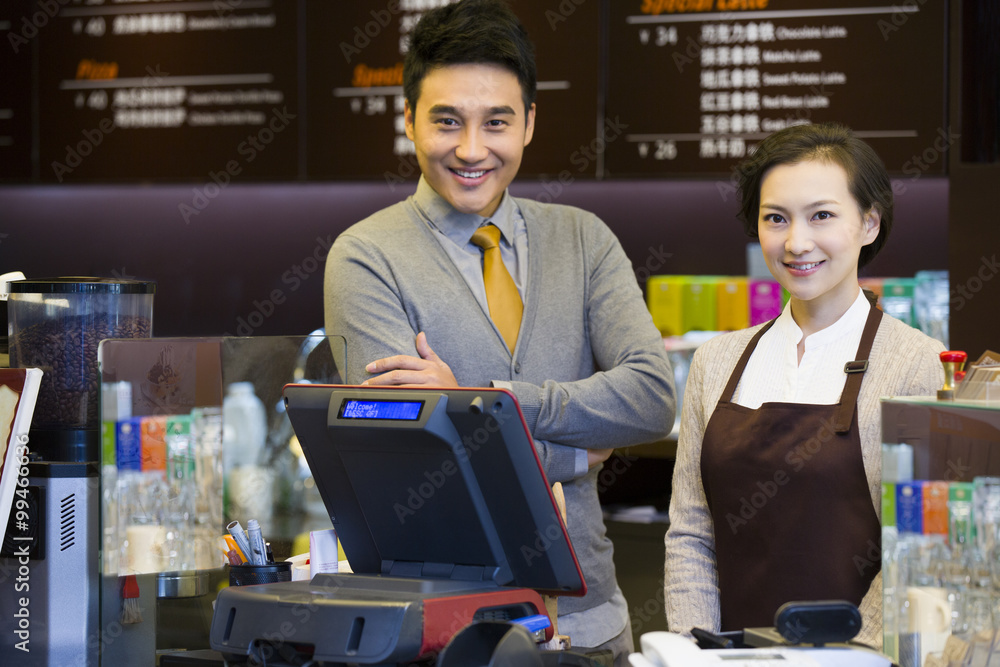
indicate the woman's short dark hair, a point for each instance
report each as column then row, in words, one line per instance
column 828, row 142
column 471, row 31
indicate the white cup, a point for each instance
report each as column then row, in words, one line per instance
column 144, row 550
column 929, row 615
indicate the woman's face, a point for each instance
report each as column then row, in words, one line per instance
column 811, row 233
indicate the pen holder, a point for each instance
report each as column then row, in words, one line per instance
column 248, row 575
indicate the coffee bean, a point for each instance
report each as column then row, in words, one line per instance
column 66, row 351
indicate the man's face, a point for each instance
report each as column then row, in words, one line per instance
column 470, row 128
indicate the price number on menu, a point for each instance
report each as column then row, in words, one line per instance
column 95, row 27
column 96, row 100
column 659, row 36
column 661, row 149
column 373, row 105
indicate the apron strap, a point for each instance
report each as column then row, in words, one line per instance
column 855, row 373
column 734, row 379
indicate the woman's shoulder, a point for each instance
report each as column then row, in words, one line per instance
column 906, row 359
column 900, row 338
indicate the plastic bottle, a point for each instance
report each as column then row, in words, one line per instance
column 249, row 492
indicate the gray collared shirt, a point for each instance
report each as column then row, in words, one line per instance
column 453, row 230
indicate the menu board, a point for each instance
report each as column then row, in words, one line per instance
column 699, row 82
column 187, row 89
column 354, row 76
column 222, row 91
column 16, row 57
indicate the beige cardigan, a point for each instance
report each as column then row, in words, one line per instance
column 903, row 362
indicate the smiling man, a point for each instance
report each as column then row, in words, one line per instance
column 535, row 298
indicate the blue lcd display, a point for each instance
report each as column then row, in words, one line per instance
column 393, row 410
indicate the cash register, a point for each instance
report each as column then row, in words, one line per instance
column 444, row 514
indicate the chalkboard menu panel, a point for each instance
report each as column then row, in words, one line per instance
column 175, row 90
column 699, row 82
column 19, row 28
column 242, row 90
column 354, row 74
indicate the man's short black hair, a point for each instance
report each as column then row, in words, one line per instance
column 470, row 32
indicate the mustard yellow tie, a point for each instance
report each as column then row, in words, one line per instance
column 501, row 292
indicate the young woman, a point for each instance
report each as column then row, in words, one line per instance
column 777, row 485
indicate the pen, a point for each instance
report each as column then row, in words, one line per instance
column 236, row 530
column 258, row 552
column 232, row 546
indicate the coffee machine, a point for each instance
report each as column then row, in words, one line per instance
column 50, row 564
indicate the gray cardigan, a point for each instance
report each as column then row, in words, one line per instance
column 589, row 369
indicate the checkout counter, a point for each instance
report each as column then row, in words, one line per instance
column 485, row 545
column 444, row 514
column 162, row 499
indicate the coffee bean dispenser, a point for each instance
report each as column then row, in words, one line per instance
column 56, row 324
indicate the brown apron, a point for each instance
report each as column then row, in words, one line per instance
column 789, row 498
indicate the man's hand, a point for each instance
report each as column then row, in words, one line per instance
column 596, row 457
column 403, row 370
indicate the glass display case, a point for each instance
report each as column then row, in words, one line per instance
column 194, row 435
column 941, row 532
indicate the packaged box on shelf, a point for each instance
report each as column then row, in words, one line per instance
column 873, row 285
column 665, row 302
column 897, row 298
column 732, row 303
column 765, row 300
column 698, row 303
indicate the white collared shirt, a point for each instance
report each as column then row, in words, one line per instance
column 774, row 373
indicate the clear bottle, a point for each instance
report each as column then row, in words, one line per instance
column 249, row 482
